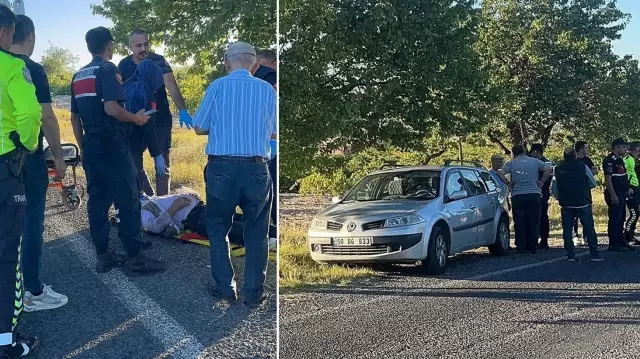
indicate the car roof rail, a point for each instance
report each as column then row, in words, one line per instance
column 391, row 164
column 473, row 163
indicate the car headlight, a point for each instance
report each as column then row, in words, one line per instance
column 318, row 223
column 403, row 221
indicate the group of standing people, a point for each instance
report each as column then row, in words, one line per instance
column 532, row 180
column 238, row 113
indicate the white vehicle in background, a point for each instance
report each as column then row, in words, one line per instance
column 413, row 214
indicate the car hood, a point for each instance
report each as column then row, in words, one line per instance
column 370, row 211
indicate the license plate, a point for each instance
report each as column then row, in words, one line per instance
column 357, row 241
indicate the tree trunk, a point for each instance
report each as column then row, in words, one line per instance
column 460, row 154
column 515, row 132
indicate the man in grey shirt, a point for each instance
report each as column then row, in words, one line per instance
column 526, row 196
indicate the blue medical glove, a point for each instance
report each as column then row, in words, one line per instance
column 274, row 147
column 185, row 119
column 161, row 167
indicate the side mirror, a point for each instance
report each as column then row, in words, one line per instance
column 336, row 199
column 458, row 195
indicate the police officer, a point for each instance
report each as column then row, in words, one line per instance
column 615, row 195
column 20, row 123
column 101, row 126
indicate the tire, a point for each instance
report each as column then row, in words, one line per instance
column 437, row 252
column 503, row 238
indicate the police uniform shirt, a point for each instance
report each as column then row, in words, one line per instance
column 614, row 166
column 41, row 82
column 128, row 68
column 92, row 86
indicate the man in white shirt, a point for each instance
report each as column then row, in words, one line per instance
column 165, row 215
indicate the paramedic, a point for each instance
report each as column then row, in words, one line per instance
column 238, row 113
column 101, row 126
column 37, row 295
column 21, row 116
column 139, row 46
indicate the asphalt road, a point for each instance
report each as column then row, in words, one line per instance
column 518, row 306
column 164, row 316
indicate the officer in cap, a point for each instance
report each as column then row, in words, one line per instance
column 20, row 120
column 101, row 125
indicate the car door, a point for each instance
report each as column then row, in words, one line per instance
column 461, row 213
column 486, row 201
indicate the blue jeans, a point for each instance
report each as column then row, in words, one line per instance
column 36, row 182
column 585, row 215
column 240, row 182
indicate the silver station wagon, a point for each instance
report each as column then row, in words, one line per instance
column 419, row 214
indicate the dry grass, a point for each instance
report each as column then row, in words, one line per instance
column 187, row 154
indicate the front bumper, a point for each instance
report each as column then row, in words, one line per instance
column 401, row 248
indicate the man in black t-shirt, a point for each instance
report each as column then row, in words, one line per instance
column 139, row 46
column 616, row 193
column 582, row 151
column 37, row 295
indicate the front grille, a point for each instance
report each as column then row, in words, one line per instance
column 334, row 226
column 373, row 225
column 359, row 250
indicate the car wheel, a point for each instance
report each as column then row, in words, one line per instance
column 503, row 237
column 437, row 253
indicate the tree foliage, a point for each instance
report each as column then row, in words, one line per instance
column 196, row 31
column 375, row 73
column 59, row 64
column 551, row 65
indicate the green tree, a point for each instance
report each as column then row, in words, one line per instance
column 193, row 30
column 551, row 65
column 364, row 73
column 59, row 64
column 193, row 84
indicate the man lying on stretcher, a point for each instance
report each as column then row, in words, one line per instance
column 171, row 215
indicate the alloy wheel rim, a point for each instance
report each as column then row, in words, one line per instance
column 504, row 235
column 441, row 250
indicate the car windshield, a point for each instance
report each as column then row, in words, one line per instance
column 407, row 185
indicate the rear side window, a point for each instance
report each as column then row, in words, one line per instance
column 488, row 180
column 475, row 185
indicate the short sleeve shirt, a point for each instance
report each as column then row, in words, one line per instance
column 613, row 166
column 92, row 86
column 524, row 173
column 128, row 68
column 588, row 162
column 41, row 83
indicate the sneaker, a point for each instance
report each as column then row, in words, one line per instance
column 543, row 246
column 143, row 265
column 596, row 258
column 49, row 299
column 257, row 303
column 571, row 259
column 25, row 346
column 106, row 261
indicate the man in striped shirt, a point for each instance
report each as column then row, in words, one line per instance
column 238, row 114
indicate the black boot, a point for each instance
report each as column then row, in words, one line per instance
column 106, row 261
column 143, row 265
column 24, row 347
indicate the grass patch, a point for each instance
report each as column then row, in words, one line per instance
column 298, row 269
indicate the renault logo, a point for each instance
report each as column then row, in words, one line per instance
column 351, row 226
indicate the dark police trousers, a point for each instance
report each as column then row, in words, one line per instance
column 273, row 171
column 112, row 178
column 243, row 182
column 544, row 219
column 526, row 220
column 617, row 212
column 12, row 211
